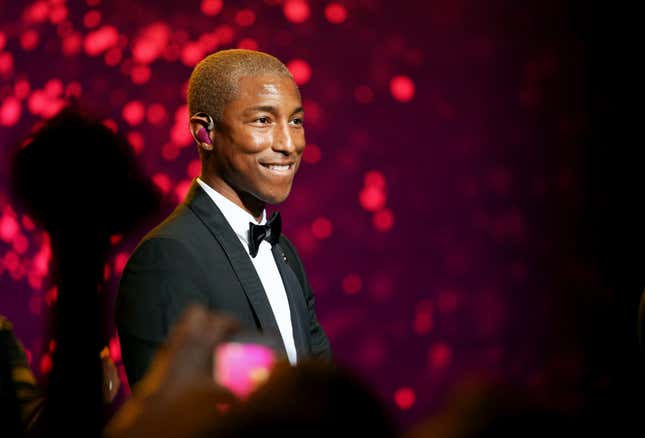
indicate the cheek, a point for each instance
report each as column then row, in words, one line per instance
column 255, row 142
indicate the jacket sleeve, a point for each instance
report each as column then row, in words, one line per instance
column 320, row 346
column 160, row 280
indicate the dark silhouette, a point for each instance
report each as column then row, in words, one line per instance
column 482, row 408
column 80, row 182
column 314, row 399
column 178, row 396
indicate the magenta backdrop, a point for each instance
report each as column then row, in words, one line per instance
column 442, row 179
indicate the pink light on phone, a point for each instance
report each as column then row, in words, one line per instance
column 242, row 367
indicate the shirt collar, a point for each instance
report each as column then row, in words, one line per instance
column 237, row 217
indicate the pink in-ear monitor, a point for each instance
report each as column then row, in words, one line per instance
column 202, row 135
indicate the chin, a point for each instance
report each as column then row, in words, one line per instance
column 276, row 198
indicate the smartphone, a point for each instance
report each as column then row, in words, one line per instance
column 244, row 363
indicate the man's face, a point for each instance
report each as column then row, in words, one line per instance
column 260, row 140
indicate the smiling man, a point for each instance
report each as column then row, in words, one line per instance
column 218, row 248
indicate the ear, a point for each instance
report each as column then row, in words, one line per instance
column 201, row 128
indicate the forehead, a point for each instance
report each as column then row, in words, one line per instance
column 270, row 88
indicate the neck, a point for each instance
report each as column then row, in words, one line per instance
column 245, row 201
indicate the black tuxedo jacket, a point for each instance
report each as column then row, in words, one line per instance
column 194, row 256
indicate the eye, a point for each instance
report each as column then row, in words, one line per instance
column 297, row 121
column 263, row 120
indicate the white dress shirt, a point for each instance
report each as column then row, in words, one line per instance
column 263, row 262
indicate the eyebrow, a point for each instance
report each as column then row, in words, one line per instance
column 271, row 109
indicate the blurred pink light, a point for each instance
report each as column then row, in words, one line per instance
column 440, row 355
column 300, row 70
column 11, row 261
column 423, row 319
column 162, row 181
column 151, row 43
column 58, row 14
column 119, row 262
column 181, row 116
column 41, row 260
column 72, row 44
column 248, row 44
column 115, row 239
column 111, row 125
column 191, row 54
column 73, row 89
column 9, row 227
column 27, row 223
column 383, row 220
column 404, row 398
column 170, row 152
column 51, row 296
column 113, row 56
column 35, row 305
column 64, row 29
column 372, row 198
column 35, row 281
column 92, row 19
column 136, row 141
column 140, row 74
column 208, row 42
column 3, row 40
column 313, row 111
column 335, row 13
column 156, row 113
column 402, row 88
column 194, row 168
column 45, row 364
column 20, row 243
column 37, row 12
column 54, row 88
column 312, row 154
column 181, row 136
column 352, row 284
column 296, row 11
column 321, row 228
column 6, row 63
column 245, row 17
column 98, row 41
column 29, row 40
column 10, row 111
column 52, row 108
column 376, row 179
column 211, row 7
column 181, row 189
column 242, row 366
column 133, row 112
column 115, row 349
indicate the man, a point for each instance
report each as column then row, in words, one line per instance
column 217, row 248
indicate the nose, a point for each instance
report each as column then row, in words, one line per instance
column 284, row 139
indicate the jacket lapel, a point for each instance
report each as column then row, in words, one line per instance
column 297, row 305
column 206, row 210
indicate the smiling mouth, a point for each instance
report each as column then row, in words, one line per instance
column 278, row 168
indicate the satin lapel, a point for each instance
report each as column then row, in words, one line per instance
column 297, row 305
column 204, row 207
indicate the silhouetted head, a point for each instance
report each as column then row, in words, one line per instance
column 494, row 409
column 311, row 399
column 76, row 172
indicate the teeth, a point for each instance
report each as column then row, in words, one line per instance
column 278, row 166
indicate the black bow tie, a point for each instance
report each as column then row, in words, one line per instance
column 269, row 232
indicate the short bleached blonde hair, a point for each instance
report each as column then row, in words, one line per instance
column 214, row 81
